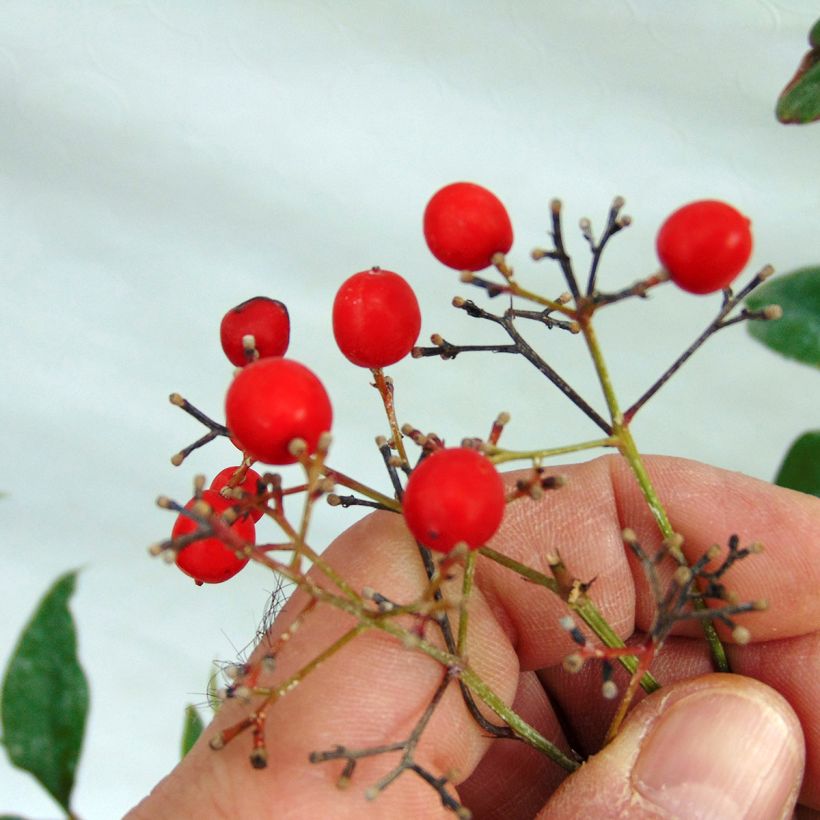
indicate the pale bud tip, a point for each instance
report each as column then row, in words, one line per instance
column 176, row 399
column 177, row 459
column 573, row 663
column 297, row 446
column 217, row 742
column 628, row 535
column 741, row 635
column 609, row 690
column 567, row 623
column 772, row 312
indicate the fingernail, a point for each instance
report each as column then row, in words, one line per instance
column 719, row 754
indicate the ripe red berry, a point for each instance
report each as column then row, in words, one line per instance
column 249, row 485
column 376, row 318
column 209, row 560
column 454, row 495
column 273, row 401
column 265, row 319
column 465, row 225
column 704, row 245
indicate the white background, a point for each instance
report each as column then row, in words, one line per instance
column 161, row 162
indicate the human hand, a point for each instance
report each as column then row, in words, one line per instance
column 706, row 745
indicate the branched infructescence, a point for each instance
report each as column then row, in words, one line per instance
column 451, row 534
column 407, row 761
column 689, row 585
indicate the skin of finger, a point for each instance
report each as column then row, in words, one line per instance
column 790, row 666
column 603, row 788
column 707, row 505
column 371, row 693
column 584, row 519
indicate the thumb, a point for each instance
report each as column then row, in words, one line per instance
column 720, row 746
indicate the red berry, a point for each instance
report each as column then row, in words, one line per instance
column 376, row 318
column 454, row 495
column 249, row 485
column 465, row 225
column 265, row 319
column 704, row 245
column 273, row 401
column 208, row 560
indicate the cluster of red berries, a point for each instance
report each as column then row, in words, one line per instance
column 455, row 495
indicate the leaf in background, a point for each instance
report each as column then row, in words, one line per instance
column 45, row 695
column 191, row 729
column 797, row 334
column 800, row 469
column 799, row 101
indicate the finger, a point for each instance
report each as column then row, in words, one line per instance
column 584, row 520
column 791, row 666
column 720, row 746
column 370, row 693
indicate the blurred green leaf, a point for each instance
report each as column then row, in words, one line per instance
column 800, row 469
column 797, row 334
column 799, row 101
column 45, row 695
column 191, row 729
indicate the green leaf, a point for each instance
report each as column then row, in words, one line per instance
column 799, row 102
column 45, row 695
column 797, row 334
column 191, row 729
column 800, row 469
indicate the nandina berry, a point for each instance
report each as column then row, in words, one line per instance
column 265, row 319
column 465, row 225
column 454, row 495
column 376, row 318
column 208, row 560
column 704, row 245
column 273, row 401
column 249, row 485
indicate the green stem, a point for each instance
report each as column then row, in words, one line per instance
column 500, row 456
column 584, row 608
column 629, row 450
column 466, row 589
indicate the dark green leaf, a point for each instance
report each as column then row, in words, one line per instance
column 800, row 469
column 191, row 729
column 11, row 817
column 797, row 334
column 45, row 695
column 814, row 35
column 799, row 102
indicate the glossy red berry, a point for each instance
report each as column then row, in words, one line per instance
column 704, row 245
column 208, row 560
column 454, row 495
column 249, row 485
column 376, row 318
column 465, row 225
column 265, row 319
column 273, row 401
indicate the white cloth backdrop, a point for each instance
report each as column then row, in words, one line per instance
column 163, row 161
